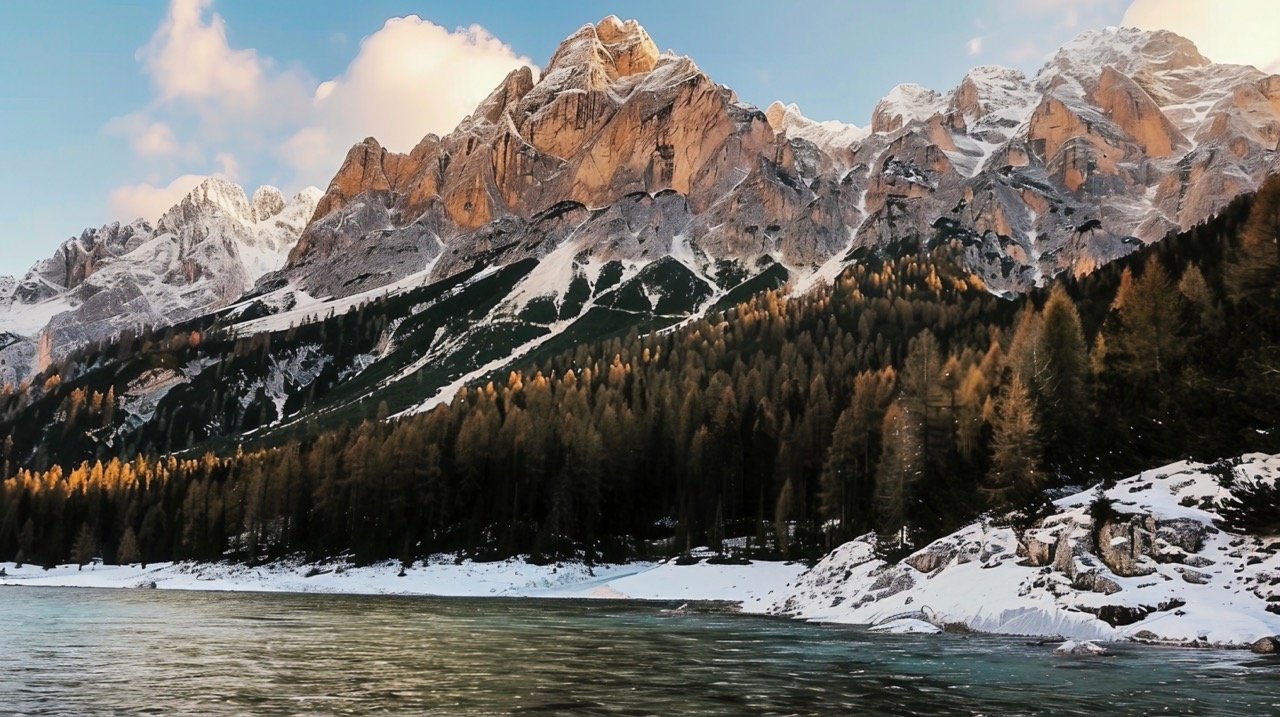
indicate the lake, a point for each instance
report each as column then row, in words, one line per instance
column 82, row 651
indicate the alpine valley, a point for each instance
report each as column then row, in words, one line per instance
column 620, row 317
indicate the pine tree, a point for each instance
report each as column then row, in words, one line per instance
column 1060, row 391
column 839, row 470
column 901, row 467
column 1150, row 314
column 1015, row 476
column 1252, row 273
column 82, row 551
column 127, row 554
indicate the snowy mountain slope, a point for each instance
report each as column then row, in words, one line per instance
column 1158, row 570
column 202, row 254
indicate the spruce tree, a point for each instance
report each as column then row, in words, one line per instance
column 127, row 554
column 1061, row 389
column 1015, row 477
column 82, row 551
column 901, row 467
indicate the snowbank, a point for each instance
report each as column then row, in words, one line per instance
column 756, row 586
column 1160, row 571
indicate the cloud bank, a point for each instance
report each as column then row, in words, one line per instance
column 216, row 106
column 1245, row 32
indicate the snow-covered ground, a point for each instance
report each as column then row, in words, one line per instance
column 756, row 586
column 1162, row 571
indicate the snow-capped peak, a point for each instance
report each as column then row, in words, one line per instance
column 213, row 195
column 991, row 87
column 205, row 252
column 1128, row 50
column 309, row 195
column 905, row 103
column 827, row 135
column 267, row 202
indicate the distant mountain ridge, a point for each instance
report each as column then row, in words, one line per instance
column 202, row 254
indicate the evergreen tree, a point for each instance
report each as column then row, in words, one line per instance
column 128, row 553
column 82, row 551
column 1015, row 477
column 1149, row 338
column 901, row 467
column 1060, row 391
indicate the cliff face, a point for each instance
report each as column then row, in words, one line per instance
column 1123, row 136
column 611, row 126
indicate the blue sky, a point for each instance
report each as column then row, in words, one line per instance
column 108, row 110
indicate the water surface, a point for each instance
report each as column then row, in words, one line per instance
column 75, row 652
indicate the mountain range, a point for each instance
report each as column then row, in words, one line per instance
column 621, row 187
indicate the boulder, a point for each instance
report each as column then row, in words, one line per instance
column 1266, row 645
column 1083, row 648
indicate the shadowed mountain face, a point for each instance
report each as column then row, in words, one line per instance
column 619, row 152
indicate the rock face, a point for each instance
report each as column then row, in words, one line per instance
column 202, row 254
column 1146, row 564
column 1123, row 136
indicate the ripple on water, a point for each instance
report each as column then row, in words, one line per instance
column 72, row 652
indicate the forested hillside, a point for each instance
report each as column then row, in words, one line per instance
column 904, row 399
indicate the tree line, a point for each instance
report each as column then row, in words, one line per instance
column 903, row 399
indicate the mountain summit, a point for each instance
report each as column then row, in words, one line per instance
column 1123, row 136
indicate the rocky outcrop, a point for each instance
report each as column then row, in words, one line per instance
column 1103, row 565
column 1133, row 110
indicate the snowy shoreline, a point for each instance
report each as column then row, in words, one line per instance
column 755, row 586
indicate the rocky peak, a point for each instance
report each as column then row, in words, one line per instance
column 1012, row 167
column 365, row 169
column 779, row 115
column 606, row 51
column 214, row 195
column 988, row 88
column 1130, row 51
column 903, row 105
column 833, row 144
column 267, row 202
column 513, row 89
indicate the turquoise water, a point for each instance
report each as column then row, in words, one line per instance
column 75, row 652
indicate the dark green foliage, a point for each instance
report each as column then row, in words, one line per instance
column 1253, row 508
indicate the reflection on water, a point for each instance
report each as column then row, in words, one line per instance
column 74, row 652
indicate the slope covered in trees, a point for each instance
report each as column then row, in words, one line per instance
column 904, row 399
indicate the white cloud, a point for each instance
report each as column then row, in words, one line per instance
column 228, row 166
column 430, row 76
column 157, row 140
column 1244, row 32
column 188, row 58
column 151, row 202
column 410, row 78
column 974, row 45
